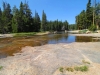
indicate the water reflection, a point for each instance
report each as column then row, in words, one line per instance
column 86, row 39
column 83, row 39
column 59, row 38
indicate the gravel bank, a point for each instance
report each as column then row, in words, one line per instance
column 46, row 60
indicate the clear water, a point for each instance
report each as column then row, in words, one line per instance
column 9, row 46
column 63, row 39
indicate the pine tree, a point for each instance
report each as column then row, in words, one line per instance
column 6, row 18
column 65, row 24
column 43, row 22
column 14, row 25
column 81, row 20
column 85, row 19
column 89, row 14
column 97, row 15
column 15, row 20
column 37, row 23
column 0, row 20
column 27, row 17
column 21, row 18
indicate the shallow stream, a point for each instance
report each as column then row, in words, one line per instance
column 9, row 46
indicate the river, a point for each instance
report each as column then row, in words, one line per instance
column 10, row 46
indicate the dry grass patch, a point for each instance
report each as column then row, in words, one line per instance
column 85, row 62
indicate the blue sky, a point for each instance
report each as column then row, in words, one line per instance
column 54, row 9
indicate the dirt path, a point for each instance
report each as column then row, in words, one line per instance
column 47, row 59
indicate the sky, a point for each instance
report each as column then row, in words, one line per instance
column 54, row 9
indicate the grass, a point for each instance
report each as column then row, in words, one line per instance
column 70, row 69
column 81, row 68
column 24, row 34
column 76, row 68
column 1, row 67
column 61, row 69
column 27, row 34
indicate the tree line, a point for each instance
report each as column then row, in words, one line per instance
column 89, row 18
column 21, row 20
column 72, row 27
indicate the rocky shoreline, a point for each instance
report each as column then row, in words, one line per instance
column 47, row 59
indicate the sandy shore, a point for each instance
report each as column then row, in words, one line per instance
column 47, row 59
column 6, row 35
column 90, row 34
column 45, row 33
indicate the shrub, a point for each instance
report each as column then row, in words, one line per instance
column 61, row 69
column 1, row 67
column 76, row 68
column 92, row 28
column 81, row 68
column 70, row 69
